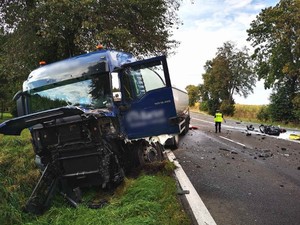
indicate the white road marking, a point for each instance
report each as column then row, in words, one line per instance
column 198, row 208
column 223, row 125
column 233, row 141
column 203, row 120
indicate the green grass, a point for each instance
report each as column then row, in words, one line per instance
column 150, row 198
column 6, row 116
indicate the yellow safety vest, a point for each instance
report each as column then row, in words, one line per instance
column 218, row 117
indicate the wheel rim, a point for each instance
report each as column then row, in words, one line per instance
column 149, row 154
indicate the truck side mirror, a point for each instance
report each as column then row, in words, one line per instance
column 20, row 99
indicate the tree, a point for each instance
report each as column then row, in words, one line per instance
column 193, row 93
column 71, row 26
column 4, row 89
column 296, row 106
column 281, row 104
column 229, row 73
column 275, row 35
column 264, row 114
column 52, row 30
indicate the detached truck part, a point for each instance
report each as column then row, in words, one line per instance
column 83, row 133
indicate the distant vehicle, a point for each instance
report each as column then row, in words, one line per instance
column 84, row 134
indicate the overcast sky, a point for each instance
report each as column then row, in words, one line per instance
column 207, row 24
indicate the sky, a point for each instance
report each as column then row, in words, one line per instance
column 207, row 25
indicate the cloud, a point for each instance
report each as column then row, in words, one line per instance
column 206, row 26
column 236, row 4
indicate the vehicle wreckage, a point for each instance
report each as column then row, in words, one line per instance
column 83, row 133
column 267, row 129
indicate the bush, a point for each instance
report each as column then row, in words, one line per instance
column 264, row 114
column 227, row 108
column 203, row 106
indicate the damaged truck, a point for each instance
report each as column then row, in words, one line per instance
column 94, row 117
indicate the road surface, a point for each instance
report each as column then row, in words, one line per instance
column 242, row 179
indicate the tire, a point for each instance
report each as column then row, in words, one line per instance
column 150, row 153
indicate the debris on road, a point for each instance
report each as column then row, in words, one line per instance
column 227, row 150
column 183, row 192
column 250, row 127
column 271, row 130
column 191, row 127
column 294, row 137
column 265, row 153
column 224, row 149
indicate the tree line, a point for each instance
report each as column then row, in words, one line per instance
column 275, row 37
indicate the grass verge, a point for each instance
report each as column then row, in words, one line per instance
column 5, row 116
column 151, row 198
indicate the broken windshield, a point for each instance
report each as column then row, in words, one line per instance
column 93, row 92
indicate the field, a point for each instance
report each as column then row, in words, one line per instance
column 247, row 112
column 242, row 112
column 149, row 198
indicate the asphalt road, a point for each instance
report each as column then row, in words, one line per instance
column 242, row 179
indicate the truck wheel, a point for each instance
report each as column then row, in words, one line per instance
column 150, row 153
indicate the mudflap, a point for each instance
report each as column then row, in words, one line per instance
column 173, row 142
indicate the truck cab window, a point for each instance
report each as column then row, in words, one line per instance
column 137, row 82
column 92, row 92
column 100, row 91
column 153, row 78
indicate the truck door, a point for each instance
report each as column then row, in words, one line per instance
column 148, row 107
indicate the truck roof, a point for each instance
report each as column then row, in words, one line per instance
column 101, row 61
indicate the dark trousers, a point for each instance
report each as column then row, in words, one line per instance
column 218, row 126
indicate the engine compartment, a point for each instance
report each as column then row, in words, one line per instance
column 77, row 152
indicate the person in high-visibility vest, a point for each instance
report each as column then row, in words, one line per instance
column 218, row 120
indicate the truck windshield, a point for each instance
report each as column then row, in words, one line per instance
column 93, row 92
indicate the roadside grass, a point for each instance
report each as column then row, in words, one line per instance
column 151, row 198
column 5, row 116
column 195, row 108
